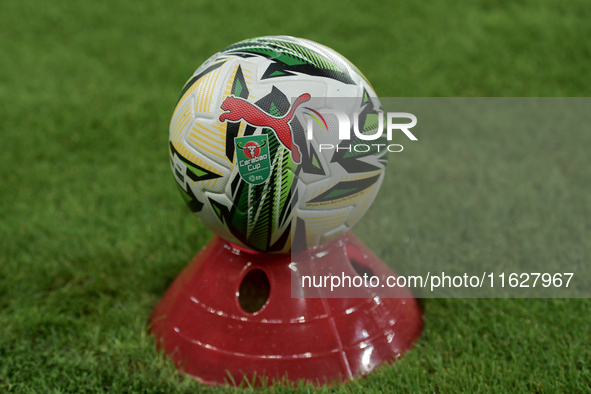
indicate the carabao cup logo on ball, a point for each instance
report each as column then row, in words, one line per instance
column 252, row 158
column 240, row 150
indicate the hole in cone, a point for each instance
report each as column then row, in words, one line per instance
column 254, row 291
column 358, row 261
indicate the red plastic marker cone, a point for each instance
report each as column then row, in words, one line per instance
column 203, row 327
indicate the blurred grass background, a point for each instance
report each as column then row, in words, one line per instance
column 502, row 186
column 92, row 230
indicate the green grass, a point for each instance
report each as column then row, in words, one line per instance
column 92, row 229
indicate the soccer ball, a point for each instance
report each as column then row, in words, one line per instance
column 239, row 149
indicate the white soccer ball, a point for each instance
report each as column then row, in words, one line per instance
column 239, row 149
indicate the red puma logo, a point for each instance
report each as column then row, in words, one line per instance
column 236, row 108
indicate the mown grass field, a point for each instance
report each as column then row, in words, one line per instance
column 92, row 229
